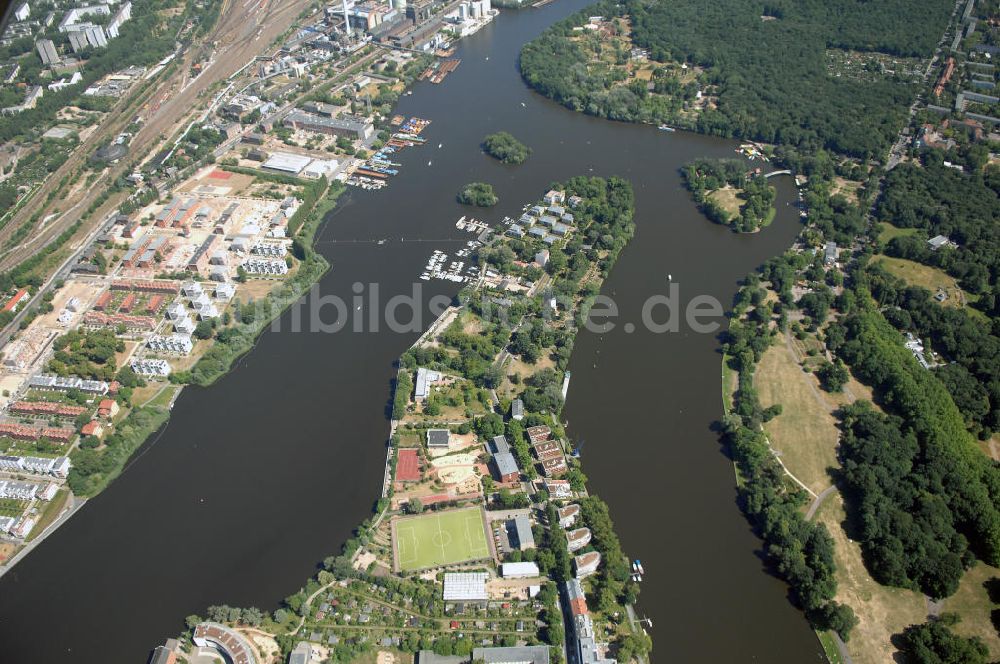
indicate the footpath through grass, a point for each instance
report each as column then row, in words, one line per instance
column 805, row 433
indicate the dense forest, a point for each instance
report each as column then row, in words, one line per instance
column 972, row 375
column 935, row 200
column 771, row 75
column 754, row 196
column 940, row 200
column 87, row 354
column 934, row 642
column 923, row 490
column 921, row 497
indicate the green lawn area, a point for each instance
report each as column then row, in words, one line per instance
column 931, row 278
column 162, row 399
column 409, row 438
column 52, row 510
column 830, row 649
column 918, row 274
column 889, row 232
column 445, row 538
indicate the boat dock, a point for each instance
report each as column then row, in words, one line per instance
column 437, row 72
column 374, row 172
column 471, row 225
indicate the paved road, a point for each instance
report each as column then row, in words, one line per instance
column 818, row 500
column 74, row 504
column 238, row 45
column 62, row 272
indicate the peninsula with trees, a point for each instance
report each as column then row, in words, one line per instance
column 730, row 193
column 486, row 519
column 859, row 378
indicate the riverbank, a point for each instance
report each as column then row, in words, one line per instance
column 94, row 469
column 286, row 422
column 798, row 404
column 770, row 492
column 534, row 487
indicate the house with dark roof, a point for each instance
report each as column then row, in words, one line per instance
column 519, row 530
column 438, row 438
column 506, row 467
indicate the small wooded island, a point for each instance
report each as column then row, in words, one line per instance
column 479, row 194
column 504, row 147
column 729, row 193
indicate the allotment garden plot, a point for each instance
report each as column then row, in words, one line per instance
column 436, row 540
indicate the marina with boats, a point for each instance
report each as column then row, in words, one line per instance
column 455, row 271
column 374, row 173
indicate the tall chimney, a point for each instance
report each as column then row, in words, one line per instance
column 347, row 20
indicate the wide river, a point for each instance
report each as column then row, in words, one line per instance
column 258, row 478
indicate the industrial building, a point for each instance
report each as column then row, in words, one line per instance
column 512, row 655
column 347, row 126
column 287, row 162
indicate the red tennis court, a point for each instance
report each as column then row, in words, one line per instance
column 408, row 466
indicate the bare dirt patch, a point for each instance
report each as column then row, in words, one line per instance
column 728, row 198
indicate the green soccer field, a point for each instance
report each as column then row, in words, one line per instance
column 433, row 540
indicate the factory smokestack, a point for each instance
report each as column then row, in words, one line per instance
column 347, row 20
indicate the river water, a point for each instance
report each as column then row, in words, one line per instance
column 258, row 478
